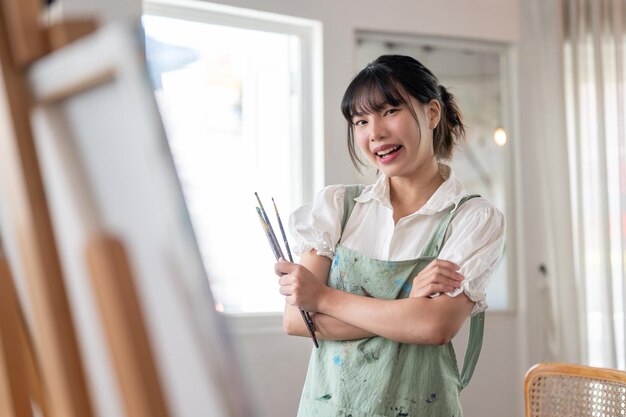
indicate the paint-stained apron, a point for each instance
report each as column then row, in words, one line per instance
column 377, row 376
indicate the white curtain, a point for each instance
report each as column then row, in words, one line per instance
column 595, row 81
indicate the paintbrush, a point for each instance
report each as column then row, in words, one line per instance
column 268, row 234
column 273, row 241
column 305, row 314
column 269, row 225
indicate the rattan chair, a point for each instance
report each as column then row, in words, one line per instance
column 564, row 390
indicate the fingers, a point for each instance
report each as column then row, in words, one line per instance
column 444, row 263
column 450, row 279
column 429, row 285
column 283, row 267
column 440, row 263
column 441, row 286
column 286, row 280
column 287, row 287
column 292, row 295
column 299, row 286
column 445, row 268
column 291, row 300
column 439, row 276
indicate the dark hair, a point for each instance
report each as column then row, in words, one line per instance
column 386, row 81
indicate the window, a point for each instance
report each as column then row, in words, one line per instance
column 234, row 87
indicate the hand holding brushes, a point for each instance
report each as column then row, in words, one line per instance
column 278, row 253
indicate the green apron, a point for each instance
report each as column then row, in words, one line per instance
column 377, row 376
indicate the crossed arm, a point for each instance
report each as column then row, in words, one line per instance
column 339, row 315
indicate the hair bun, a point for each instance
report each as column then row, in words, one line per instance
column 452, row 110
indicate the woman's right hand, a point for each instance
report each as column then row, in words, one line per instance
column 299, row 285
column 439, row 276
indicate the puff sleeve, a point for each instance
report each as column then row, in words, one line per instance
column 475, row 243
column 318, row 225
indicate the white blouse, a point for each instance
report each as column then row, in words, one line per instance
column 474, row 239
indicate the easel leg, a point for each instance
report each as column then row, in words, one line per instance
column 32, row 368
column 14, row 396
column 114, row 286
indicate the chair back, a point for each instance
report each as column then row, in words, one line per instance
column 565, row 390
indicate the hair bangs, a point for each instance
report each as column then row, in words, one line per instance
column 371, row 91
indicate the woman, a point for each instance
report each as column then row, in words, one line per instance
column 392, row 270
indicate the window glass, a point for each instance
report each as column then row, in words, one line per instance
column 230, row 100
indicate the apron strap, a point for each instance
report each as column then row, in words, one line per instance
column 474, row 345
column 477, row 324
column 352, row 192
column 433, row 247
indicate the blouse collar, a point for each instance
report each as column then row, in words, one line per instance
column 449, row 193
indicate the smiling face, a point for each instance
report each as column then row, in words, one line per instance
column 397, row 138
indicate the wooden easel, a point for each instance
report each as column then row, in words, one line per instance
column 59, row 388
column 19, row 371
column 14, row 386
column 21, row 42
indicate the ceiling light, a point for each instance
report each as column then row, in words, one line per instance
column 499, row 136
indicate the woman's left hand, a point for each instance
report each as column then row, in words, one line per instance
column 300, row 286
column 438, row 277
